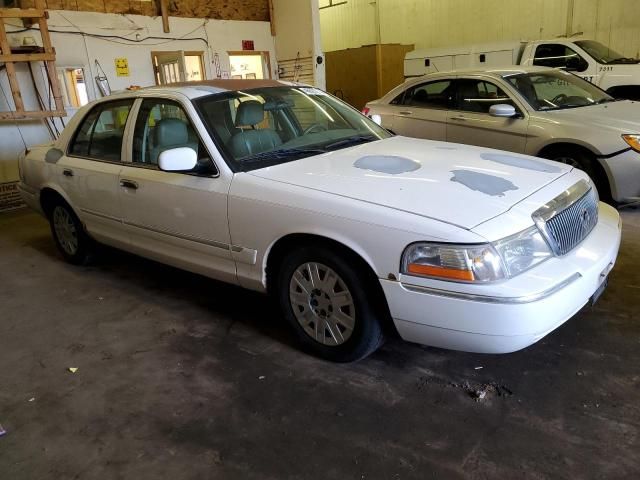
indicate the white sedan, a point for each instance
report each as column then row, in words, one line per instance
column 284, row 189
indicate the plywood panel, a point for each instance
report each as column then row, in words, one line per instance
column 351, row 75
column 219, row 9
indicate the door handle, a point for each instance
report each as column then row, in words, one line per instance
column 67, row 172
column 129, row 184
column 405, row 112
column 459, row 119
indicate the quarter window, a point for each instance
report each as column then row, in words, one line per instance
column 429, row 95
column 478, row 96
column 162, row 125
column 100, row 133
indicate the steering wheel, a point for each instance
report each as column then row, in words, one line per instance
column 315, row 126
column 560, row 98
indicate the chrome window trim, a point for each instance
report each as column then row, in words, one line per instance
column 489, row 298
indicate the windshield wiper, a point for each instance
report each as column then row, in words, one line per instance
column 624, row 60
column 346, row 142
column 281, row 154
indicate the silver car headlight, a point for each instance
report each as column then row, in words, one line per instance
column 481, row 263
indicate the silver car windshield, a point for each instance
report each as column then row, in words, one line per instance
column 557, row 89
column 267, row 126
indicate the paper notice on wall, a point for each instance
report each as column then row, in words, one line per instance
column 122, row 67
column 9, row 196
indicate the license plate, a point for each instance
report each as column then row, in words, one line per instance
column 598, row 293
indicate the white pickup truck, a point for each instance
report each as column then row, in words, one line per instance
column 617, row 75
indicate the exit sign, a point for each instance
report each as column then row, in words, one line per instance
column 247, row 45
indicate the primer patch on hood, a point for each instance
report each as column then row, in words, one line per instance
column 520, row 162
column 387, row 164
column 482, row 182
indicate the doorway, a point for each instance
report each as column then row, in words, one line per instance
column 178, row 66
column 249, row 64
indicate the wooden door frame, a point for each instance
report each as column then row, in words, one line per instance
column 185, row 53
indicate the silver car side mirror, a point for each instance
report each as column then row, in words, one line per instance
column 502, row 110
column 179, row 159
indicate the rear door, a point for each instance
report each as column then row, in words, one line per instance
column 421, row 111
column 179, row 218
column 470, row 122
column 89, row 170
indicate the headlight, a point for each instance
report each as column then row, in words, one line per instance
column 465, row 263
column 477, row 263
column 633, row 141
column 523, row 250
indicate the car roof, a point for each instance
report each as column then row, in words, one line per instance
column 197, row 89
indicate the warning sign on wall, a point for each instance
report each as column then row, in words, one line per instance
column 9, row 196
column 122, row 67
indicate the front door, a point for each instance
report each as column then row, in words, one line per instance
column 178, row 218
column 470, row 121
column 89, row 171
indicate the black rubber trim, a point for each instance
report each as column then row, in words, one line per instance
column 624, row 150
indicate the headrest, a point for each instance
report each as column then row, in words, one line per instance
column 249, row 113
column 171, row 131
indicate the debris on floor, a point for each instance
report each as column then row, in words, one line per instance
column 2, row 431
column 478, row 368
column 73, row 369
column 32, row 399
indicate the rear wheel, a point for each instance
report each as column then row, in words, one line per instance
column 326, row 300
column 67, row 230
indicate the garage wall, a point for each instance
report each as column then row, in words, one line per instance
column 75, row 50
column 442, row 23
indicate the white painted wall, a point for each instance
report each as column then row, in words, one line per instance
column 442, row 23
column 82, row 51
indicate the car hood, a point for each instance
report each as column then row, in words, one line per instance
column 621, row 115
column 453, row 183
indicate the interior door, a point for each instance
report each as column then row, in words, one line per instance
column 423, row 110
column 470, row 122
column 179, row 218
column 89, row 171
column 170, row 67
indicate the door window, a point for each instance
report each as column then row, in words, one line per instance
column 429, row 95
column 478, row 96
column 555, row 55
column 100, row 133
column 162, row 125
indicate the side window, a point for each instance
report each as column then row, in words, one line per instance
column 100, row 133
column 162, row 125
column 478, row 96
column 555, row 55
column 430, row 95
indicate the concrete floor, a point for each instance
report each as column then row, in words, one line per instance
column 181, row 377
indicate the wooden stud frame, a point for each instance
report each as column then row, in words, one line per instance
column 37, row 15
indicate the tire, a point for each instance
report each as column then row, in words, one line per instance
column 69, row 235
column 338, row 321
column 587, row 163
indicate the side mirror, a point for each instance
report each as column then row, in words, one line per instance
column 576, row 64
column 502, row 110
column 179, row 159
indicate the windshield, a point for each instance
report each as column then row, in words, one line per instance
column 267, row 126
column 556, row 89
column 602, row 53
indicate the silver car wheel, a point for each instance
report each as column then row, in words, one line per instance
column 569, row 161
column 65, row 230
column 322, row 304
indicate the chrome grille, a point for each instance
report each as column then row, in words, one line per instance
column 569, row 218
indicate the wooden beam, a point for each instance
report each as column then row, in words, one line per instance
column 27, row 57
column 21, row 13
column 32, row 114
column 50, row 64
column 11, row 70
column 272, row 20
column 164, row 11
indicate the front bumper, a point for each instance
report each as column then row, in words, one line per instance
column 483, row 319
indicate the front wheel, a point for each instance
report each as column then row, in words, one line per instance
column 326, row 300
column 67, row 230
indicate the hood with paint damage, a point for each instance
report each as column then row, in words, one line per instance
column 455, row 183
